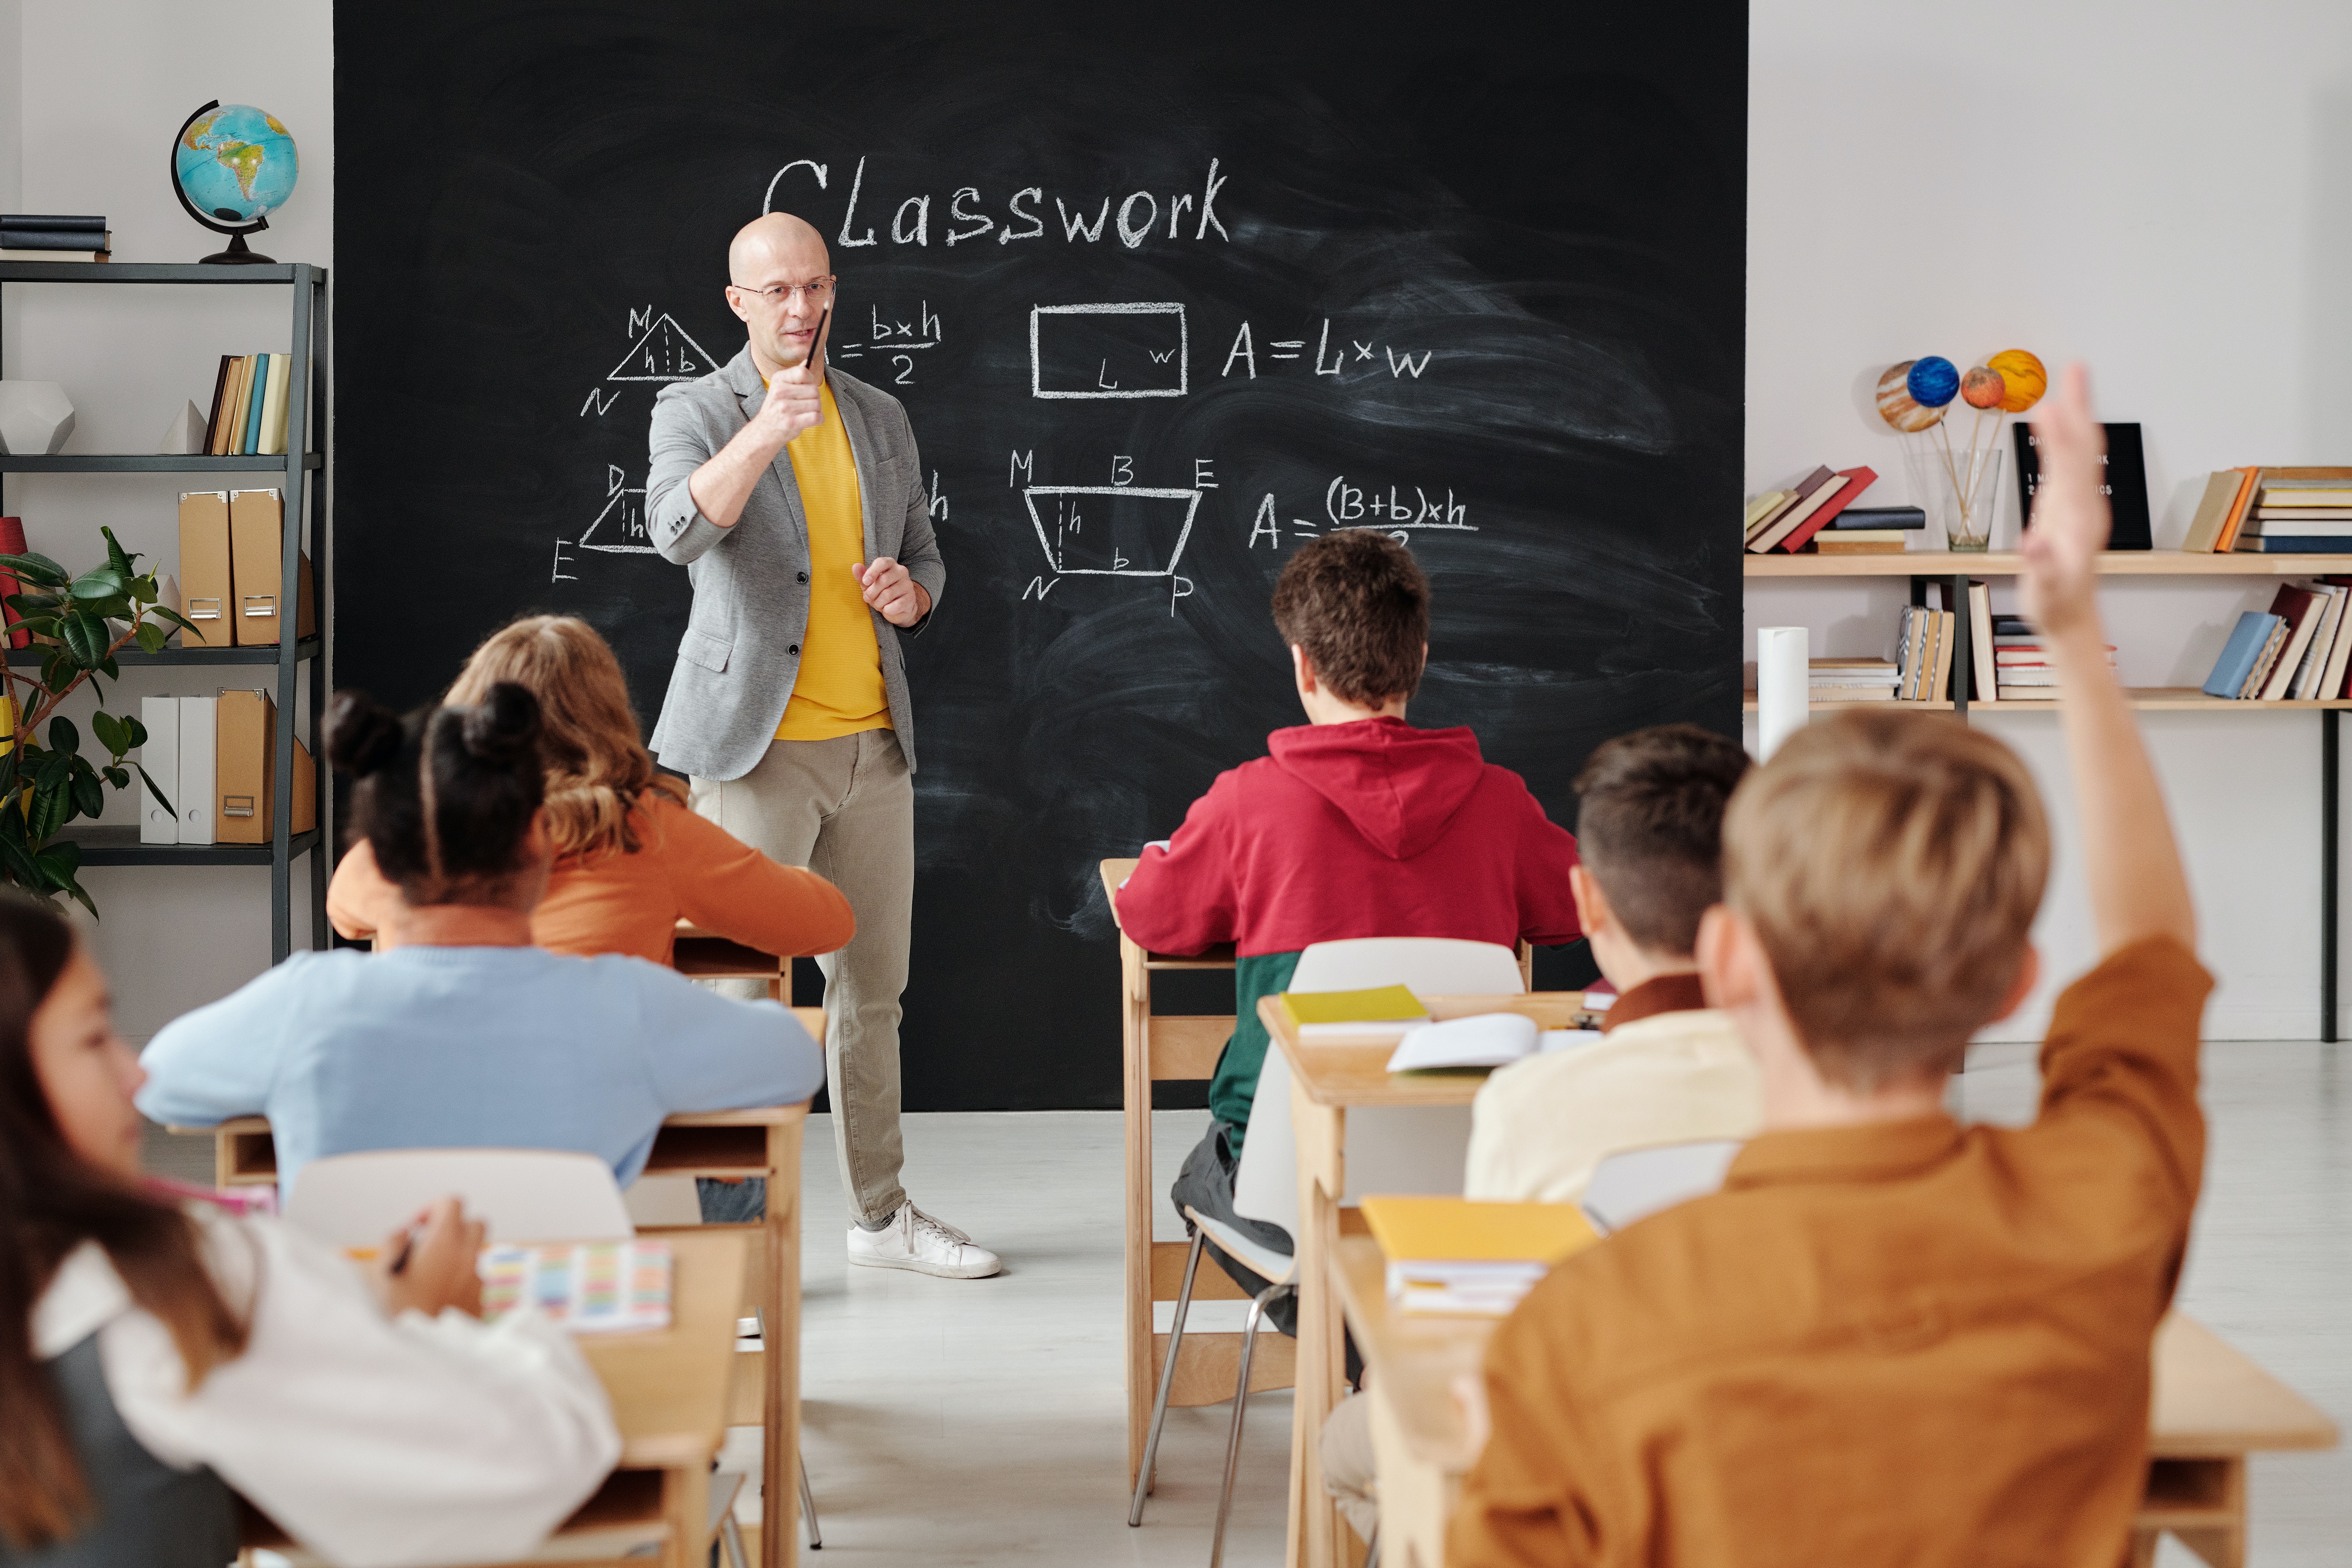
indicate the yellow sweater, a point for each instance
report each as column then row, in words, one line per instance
column 839, row 688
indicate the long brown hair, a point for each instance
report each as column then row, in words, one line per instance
column 597, row 769
column 50, row 1202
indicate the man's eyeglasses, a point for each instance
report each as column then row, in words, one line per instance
column 818, row 290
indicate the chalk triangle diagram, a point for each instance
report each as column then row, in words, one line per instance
column 1111, row 531
column 623, row 521
column 664, row 353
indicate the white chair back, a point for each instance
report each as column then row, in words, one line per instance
column 523, row 1195
column 1390, row 1150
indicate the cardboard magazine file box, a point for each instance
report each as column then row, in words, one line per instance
column 246, row 769
column 256, row 521
column 204, row 568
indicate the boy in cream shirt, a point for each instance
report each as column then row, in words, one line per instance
column 1671, row 1069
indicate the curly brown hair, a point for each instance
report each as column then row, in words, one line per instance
column 1356, row 602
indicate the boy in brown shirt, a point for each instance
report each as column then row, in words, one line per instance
column 1891, row 1338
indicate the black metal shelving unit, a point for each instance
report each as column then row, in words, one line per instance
column 304, row 475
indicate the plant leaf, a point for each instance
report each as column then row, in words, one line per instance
column 29, row 603
column 152, row 637
column 116, row 556
column 99, row 583
column 38, row 570
column 165, row 611
column 47, row 812
column 134, row 732
column 85, row 638
column 118, row 778
column 88, row 795
column 160, row 798
column 63, row 737
column 110, row 732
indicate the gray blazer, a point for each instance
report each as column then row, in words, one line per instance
column 741, row 651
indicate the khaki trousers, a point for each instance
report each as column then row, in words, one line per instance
column 844, row 808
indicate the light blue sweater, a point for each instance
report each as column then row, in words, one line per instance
column 431, row 1048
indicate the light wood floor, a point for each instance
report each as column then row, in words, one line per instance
column 980, row 1422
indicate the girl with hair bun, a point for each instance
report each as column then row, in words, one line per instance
column 631, row 857
column 466, row 1033
column 154, row 1354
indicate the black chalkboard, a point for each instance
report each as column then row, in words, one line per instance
column 1471, row 271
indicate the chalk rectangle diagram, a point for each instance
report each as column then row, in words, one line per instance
column 1108, row 351
column 1111, row 531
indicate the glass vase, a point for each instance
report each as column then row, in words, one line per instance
column 1964, row 491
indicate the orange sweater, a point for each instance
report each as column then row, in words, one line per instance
column 1908, row 1342
column 631, row 903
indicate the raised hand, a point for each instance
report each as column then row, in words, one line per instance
column 2058, row 588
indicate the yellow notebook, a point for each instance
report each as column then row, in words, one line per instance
column 1412, row 1229
column 1315, row 1011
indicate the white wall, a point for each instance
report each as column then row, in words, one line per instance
column 2162, row 189
column 96, row 92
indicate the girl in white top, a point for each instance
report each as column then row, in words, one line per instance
column 147, row 1348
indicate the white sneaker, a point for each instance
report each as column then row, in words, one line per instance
column 913, row 1239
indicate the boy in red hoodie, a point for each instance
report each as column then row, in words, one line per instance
column 1355, row 825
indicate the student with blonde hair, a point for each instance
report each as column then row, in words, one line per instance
column 1892, row 1338
column 631, row 857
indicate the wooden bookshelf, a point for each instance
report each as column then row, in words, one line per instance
column 2008, row 563
column 2148, row 699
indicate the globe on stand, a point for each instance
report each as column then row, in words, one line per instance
column 231, row 168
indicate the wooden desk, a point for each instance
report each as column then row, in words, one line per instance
column 1159, row 1047
column 670, row 1390
column 1327, row 1078
column 764, row 1141
column 699, row 954
column 2212, row 1407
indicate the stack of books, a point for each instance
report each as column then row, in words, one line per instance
column 1470, row 1258
column 49, row 237
column 2022, row 670
column 1923, row 655
column 2297, row 650
column 1788, row 520
column 249, row 414
column 2275, row 511
column 1870, row 531
column 1853, row 679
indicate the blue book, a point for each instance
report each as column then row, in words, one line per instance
column 252, row 439
column 2236, row 665
column 2294, row 544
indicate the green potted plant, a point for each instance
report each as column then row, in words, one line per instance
column 45, row 780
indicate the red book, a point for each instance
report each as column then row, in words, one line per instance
column 12, row 542
column 1857, row 480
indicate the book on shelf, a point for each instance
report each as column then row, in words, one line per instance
column 2305, row 687
column 51, row 237
column 2299, row 607
column 1762, row 506
column 1790, row 531
column 1860, row 542
column 2214, row 508
column 2284, row 489
column 1925, row 654
column 1793, row 496
column 2294, row 545
column 11, row 253
column 2311, row 514
column 2236, row 664
column 250, row 400
column 1871, row 517
column 1851, row 679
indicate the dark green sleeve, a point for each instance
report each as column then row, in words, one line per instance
column 1236, row 1083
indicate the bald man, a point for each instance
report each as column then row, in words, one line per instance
column 792, row 495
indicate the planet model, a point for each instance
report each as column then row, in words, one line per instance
column 2022, row 375
column 1983, row 388
column 1934, row 380
column 1896, row 404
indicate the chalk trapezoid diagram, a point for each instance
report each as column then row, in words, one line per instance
column 1117, row 350
column 1056, row 539
column 665, row 353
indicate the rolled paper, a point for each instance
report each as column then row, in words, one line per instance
column 2023, row 378
column 1894, row 403
column 1934, row 382
column 1783, row 686
column 1983, row 388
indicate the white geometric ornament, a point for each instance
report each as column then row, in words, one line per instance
column 185, row 434
column 35, row 418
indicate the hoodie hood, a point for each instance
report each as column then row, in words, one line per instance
column 1399, row 785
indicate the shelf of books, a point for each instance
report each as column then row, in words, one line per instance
column 2155, row 698
column 2008, row 563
